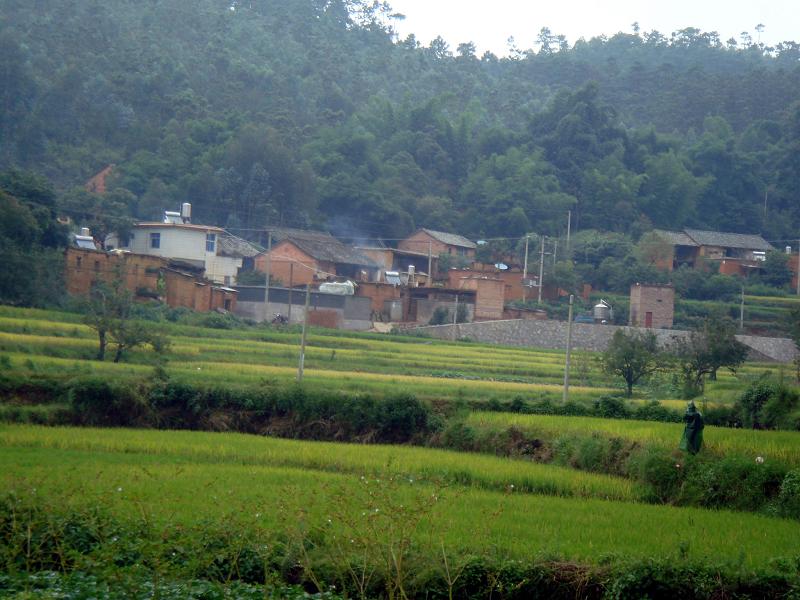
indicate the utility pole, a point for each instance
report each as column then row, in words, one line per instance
column 569, row 223
column 291, row 276
column 569, row 349
column 301, row 365
column 525, row 270
column 798, row 267
column 555, row 251
column 430, row 264
column 541, row 271
column 741, row 311
column 455, row 319
column 266, row 275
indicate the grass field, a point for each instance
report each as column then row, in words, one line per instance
column 782, row 446
column 247, row 482
column 49, row 342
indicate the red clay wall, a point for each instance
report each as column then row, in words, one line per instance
column 378, row 293
column 283, row 255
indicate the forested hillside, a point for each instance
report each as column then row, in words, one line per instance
column 313, row 113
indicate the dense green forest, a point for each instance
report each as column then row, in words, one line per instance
column 314, row 113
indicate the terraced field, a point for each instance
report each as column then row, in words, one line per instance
column 178, row 479
column 57, row 343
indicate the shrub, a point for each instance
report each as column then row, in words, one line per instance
column 788, row 502
column 97, row 401
column 732, row 482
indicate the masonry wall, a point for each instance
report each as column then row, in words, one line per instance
column 419, row 242
column 283, row 255
column 354, row 312
column 658, row 300
column 489, row 296
column 553, row 334
column 84, row 267
column 378, row 293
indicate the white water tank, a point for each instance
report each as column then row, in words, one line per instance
column 186, row 212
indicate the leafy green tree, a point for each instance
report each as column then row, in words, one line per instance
column 632, row 356
column 775, row 270
column 706, row 349
column 108, row 310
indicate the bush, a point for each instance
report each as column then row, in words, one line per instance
column 97, row 401
column 788, row 503
column 441, row 316
column 733, row 482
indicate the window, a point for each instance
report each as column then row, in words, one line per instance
column 78, row 263
column 155, row 240
column 97, row 265
column 227, row 279
column 211, row 241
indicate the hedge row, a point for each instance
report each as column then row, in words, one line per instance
column 90, row 547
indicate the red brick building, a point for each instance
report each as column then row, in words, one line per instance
column 439, row 242
column 652, row 306
column 304, row 257
column 147, row 277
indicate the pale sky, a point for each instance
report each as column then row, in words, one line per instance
column 489, row 23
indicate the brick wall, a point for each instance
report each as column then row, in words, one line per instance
column 378, row 293
column 285, row 254
column 652, row 306
column 489, row 296
column 141, row 275
column 84, row 267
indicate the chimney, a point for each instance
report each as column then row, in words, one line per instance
column 186, row 212
column 86, row 231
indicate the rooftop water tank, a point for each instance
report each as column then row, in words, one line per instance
column 602, row 311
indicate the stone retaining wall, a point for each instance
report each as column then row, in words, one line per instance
column 585, row 336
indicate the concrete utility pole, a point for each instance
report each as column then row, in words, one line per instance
column 569, row 349
column 301, row 366
column 430, row 264
column 541, row 271
column 798, row 267
column 455, row 319
column 569, row 223
column 291, row 276
column 266, row 276
column 525, row 271
column 741, row 311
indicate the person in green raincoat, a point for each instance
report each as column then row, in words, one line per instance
column 692, row 439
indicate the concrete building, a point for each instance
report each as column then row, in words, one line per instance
column 652, row 306
column 439, row 242
column 325, row 310
column 211, row 249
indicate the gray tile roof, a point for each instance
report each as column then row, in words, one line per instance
column 235, row 247
column 676, row 238
column 451, row 239
column 322, row 246
column 728, row 240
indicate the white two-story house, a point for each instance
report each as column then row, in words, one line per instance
column 211, row 249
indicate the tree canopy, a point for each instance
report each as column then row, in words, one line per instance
column 307, row 113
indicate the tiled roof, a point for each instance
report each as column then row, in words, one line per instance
column 728, row 240
column 236, row 247
column 676, row 238
column 451, row 239
column 322, row 246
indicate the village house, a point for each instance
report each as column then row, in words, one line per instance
column 734, row 253
column 147, row 277
column 302, row 257
column 428, row 241
column 402, row 266
column 211, row 250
